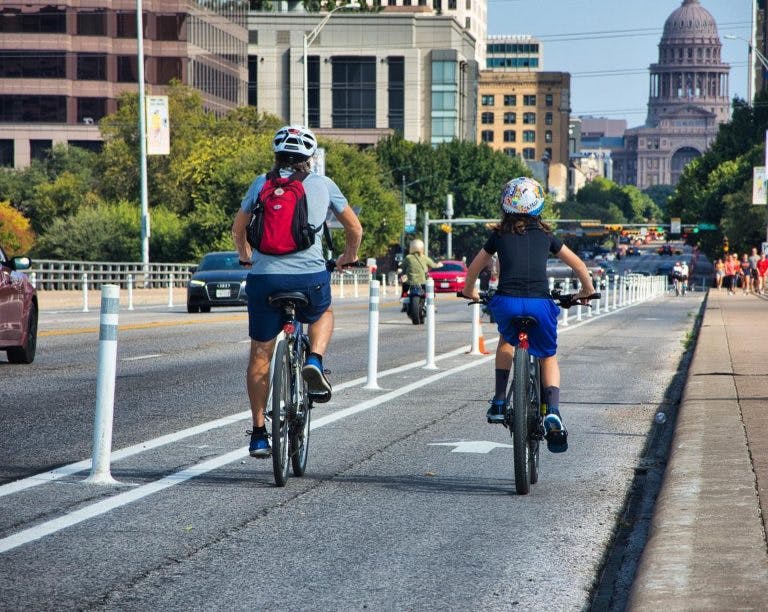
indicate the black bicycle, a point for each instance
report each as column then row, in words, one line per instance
column 524, row 416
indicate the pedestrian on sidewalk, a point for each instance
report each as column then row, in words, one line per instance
column 719, row 273
column 731, row 268
column 744, row 274
column 754, row 275
column 762, row 270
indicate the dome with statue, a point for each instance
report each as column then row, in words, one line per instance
column 690, row 21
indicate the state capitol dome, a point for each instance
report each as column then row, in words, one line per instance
column 690, row 21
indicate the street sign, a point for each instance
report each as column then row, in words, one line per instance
column 674, row 225
column 707, row 226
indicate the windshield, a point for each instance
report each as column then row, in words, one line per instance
column 451, row 267
column 219, row 261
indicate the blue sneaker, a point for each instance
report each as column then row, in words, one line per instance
column 317, row 384
column 556, row 434
column 259, row 446
column 497, row 411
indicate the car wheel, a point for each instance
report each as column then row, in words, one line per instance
column 205, row 309
column 192, row 309
column 26, row 353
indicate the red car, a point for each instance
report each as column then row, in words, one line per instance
column 18, row 310
column 450, row 277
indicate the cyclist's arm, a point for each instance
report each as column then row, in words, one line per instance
column 353, row 235
column 481, row 260
column 574, row 262
column 431, row 264
column 238, row 235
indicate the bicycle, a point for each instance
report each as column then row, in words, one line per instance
column 526, row 410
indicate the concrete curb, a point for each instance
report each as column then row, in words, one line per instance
column 707, row 548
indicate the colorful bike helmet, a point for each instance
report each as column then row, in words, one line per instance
column 523, row 195
column 294, row 140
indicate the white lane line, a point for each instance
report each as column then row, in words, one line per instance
column 122, row 499
column 140, row 357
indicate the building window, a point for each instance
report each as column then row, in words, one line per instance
column 548, row 136
column 91, row 67
column 467, row 23
column 169, row 68
column 90, row 110
column 92, row 23
column 529, row 153
column 529, row 100
column 510, row 151
column 510, row 100
column 529, row 118
column 487, row 100
column 548, row 118
column 94, row 146
column 486, row 135
column 510, row 118
column 313, row 90
column 548, row 100
column 50, row 19
column 445, row 91
column 32, row 65
column 127, row 69
column 510, row 136
column 253, row 80
column 396, row 93
column 6, row 153
column 40, row 149
column 486, row 118
column 169, row 27
column 452, row 5
column 529, row 136
column 126, row 25
column 33, row 109
column 353, row 92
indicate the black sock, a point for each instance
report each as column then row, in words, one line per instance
column 502, row 378
column 262, row 429
column 552, row 398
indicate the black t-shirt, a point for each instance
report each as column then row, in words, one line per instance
column 523, row 260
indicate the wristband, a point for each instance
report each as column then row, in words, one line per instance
column 244, row 263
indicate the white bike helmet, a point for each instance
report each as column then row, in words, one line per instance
column 294, row 140
column 523, row 195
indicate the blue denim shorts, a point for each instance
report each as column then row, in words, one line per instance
column 543, row 337
column 264, row 320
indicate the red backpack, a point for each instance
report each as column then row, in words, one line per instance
column 279, row 223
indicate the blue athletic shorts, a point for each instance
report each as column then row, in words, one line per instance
column 542, row 337
column 265, row 321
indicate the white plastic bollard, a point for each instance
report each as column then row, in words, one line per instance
column 615, row 291
column 356, row 292
column 430, row 325
column 130, row 292
column 105, row 387
column 475, row 350
column 373, row 336
column 578, row 306
column 33, row 279
column 170, row 291
column 85, row 292
column 341, row 284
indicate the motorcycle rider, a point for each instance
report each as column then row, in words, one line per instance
column 415, row 267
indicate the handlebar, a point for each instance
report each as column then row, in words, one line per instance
column 565, row 301
column 330, row 264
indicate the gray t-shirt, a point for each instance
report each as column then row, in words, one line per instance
column 322, row 194
column 753, row 259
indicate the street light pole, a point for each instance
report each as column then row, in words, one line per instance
column 308, row 40
column 142, row 142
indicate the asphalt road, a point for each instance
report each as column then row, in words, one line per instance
column 408, row 501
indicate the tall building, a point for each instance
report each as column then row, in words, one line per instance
column 63, row 65
column 518, row 53
column 687, row 102
column 527, row 114
column 368, row 74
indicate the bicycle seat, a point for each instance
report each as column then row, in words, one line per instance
column 297, row 298
column 524, row 322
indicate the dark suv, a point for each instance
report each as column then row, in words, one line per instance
column 18, row 310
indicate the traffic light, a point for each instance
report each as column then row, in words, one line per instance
column 446, row 227
column 725, row 244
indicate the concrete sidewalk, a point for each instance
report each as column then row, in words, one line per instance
column 707, row 545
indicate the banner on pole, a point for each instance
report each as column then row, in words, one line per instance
column 758, row 186
column 410, row 218
column 158, row 128
column 674, row 225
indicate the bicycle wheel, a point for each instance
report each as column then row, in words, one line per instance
column 299, row 435
column 281, row 400
column 536, row 428
column 521, row 401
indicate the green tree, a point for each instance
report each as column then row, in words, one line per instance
column 16, row 234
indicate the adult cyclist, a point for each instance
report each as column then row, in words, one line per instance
column 523, row 242
column 304, row 271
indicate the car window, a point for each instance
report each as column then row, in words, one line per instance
column 451, row 267
column 219, row 261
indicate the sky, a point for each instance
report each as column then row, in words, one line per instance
column 608, row 45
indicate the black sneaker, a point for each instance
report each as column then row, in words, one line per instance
column 497, row 411
column 556, row 434
column 259, row 446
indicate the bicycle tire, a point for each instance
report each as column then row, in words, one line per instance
column 281, row 401
column 536, row 431
column 413, row 309
column 299, row 434
column 521, row 401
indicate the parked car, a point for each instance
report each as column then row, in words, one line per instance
column 219, row 280
column 450, row 277
column 18, row 310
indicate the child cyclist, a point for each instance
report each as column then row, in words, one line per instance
column 523, row 242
